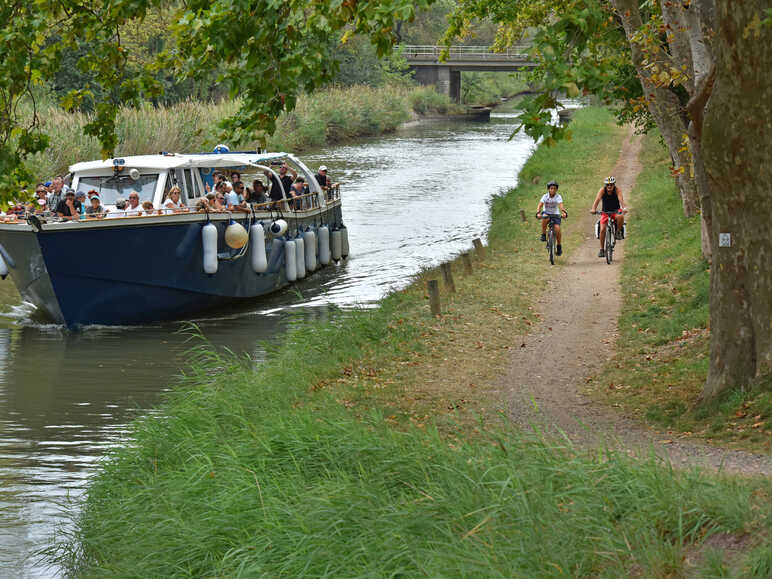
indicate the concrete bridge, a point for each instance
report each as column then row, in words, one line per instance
column 446, row 75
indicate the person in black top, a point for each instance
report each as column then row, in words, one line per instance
column 611, row 198
column 69, row 207
column 275, row 190
column 321, row 177
column 287, row 180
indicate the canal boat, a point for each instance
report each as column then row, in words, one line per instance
column 164, row 264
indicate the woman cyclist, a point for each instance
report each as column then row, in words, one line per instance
column 612, row 200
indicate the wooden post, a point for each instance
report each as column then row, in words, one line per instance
column 467, row 263
column 479, row 247
column 434, row 296
column 447, row 275
column 522, row 214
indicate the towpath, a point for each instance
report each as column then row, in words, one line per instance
column 578, row 310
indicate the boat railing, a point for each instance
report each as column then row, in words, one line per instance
column 305, row 202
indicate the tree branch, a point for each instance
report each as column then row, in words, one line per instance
column 696, row 105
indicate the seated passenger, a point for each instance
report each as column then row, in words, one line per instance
column 297, row 190
column 173, row 202
column 234, row 197
column 80, row 197
column 133, row 208
column 148, row 208
column 259, row 194
column 68, row 208
column 95, row 210
column 119, row 211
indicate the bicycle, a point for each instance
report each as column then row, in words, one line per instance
column 611, row 233
column 551, row 241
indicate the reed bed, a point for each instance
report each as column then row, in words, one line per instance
column 327, row 116
column 275, row 472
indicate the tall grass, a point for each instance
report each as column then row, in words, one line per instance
column 276, row 472
column 326, row 116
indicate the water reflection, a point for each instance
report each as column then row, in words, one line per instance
column 410, row 201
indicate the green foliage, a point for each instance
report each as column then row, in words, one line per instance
column 264, row 52
column 579, row 47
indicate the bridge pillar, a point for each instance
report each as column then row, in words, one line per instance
column 445, row 80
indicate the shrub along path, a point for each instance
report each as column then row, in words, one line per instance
column 548, row 366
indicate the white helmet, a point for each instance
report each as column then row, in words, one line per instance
column 609, row 180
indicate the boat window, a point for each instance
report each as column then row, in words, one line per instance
column 191, row 184
column 113, row 187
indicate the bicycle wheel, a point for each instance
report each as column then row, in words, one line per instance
column 551, row 245
column 609, row 244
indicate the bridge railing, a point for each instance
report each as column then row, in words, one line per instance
column 429, row 52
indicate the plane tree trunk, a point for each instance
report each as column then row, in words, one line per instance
column 737, row 149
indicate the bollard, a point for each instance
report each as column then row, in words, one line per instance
column 434, row 296
column 467, row 263
column 522, row 214
column 447, row 275
column 479, row 247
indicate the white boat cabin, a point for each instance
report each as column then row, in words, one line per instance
column 152, row 176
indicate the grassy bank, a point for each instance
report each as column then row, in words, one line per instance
column 663, row 356
column 328, row 116
column 352, row 452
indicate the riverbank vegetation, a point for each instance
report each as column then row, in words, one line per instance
column 365, row 447
column 662, row 358
column 328, row 116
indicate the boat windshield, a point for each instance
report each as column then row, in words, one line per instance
column 115, row 187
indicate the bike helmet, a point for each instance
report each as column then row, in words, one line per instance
column 609, row 180
column 551, row 183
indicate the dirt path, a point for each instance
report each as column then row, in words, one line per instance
column 542, row 384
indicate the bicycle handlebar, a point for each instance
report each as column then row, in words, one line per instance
column 608, row 212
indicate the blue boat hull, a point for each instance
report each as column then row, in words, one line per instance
column 139, row 273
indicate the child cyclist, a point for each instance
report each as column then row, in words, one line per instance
column 552, row 203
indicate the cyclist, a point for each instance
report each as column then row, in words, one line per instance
column 612, row 200
column 553, row 212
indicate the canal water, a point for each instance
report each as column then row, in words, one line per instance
column 410, row 200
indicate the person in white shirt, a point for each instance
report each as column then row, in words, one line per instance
column 550, row 209
column 119, row 211
column 173, row 203
column 134, row 208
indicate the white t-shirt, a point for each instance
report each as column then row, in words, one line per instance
column 170, row 206
column 115, row 213
column 132, row 211
column 552, row 204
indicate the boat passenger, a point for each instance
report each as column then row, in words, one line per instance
column 133, row 208
column 218, row 178
column 258, row 194
column 235, row 176
column 40, row 204
column 173, row 202
column 91, row 193
column 235, row 196
column 275, row 191
column 56, row 194
column 219, row 202
column 68, row 208
column 321, row 177
column 286, row 180
column 80, row 197
column 119, row 211
column 297, row 191
column 148, row 209
column 95, row 209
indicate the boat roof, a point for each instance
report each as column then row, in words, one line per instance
column 163, row 161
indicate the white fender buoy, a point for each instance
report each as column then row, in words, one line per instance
column 337, row 245
column 209, row 240
column 290, row 258
column 309, row 238
column 278, row 228
column 343, row 241
column 300, row 259
column 235, row 235
column 257, row 248
column 3, row 268
column 324, row 245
